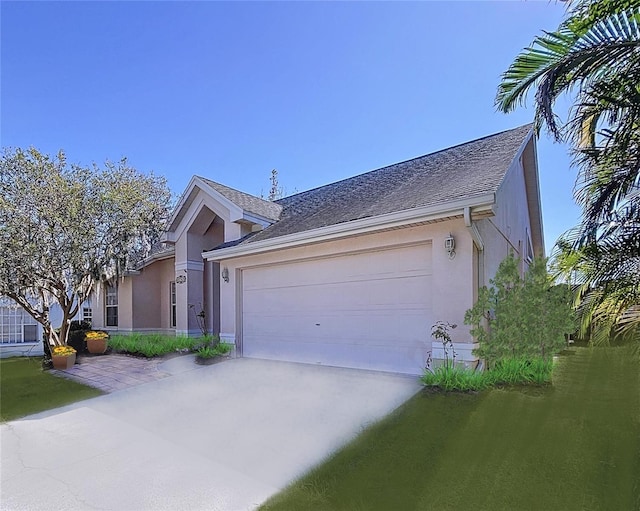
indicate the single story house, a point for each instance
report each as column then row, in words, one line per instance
column 351, row 274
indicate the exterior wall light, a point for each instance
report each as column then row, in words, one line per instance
column 225, row 274
column 450, row 246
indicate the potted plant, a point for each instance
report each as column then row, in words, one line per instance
column 96, row 341
column 63, row 357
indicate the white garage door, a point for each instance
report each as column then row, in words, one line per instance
column 370, row 310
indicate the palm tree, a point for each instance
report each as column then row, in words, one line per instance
column 605, row 278
column 595, row 54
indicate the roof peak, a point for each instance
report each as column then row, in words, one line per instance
column 251, row 203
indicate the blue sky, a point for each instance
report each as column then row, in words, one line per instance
column 320, row 91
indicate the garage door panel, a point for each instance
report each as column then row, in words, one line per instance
column 404, row 359
column 368, row 310
column 404, row 292
column 405, row 262
column 403, row 327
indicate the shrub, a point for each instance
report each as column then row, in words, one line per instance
column 504, row 372
column 520, row 318
column 518, row 371
column 218, row 350
column 153, row 345
column 79, row 325
column 75, row 337
column 451, row 378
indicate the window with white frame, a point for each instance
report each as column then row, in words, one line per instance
column 87, row 314
column 16, row 325
column 173, row 301
column 111, row 304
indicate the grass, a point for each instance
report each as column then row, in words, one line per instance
column 153, row 345
column 219, row 350
column 505, row 372
column 25, row 389
column 574, row 445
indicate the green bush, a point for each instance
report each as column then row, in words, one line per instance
column 521, row 318
column 451, row 378
column 218, row 350
column 518, row 371
column 153, row 345
column 508, row 371
column 79, row 325
column 76, row 339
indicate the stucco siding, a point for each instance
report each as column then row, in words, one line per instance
column 509, row 230
column 151, row 296
column 450, row 281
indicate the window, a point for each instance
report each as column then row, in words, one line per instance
column 112, row 305
column 16, row 325
column 172, row 301
column 87, row 314
column 529, row 249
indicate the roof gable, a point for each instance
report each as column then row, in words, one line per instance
column 240, row 205
column 249, row 203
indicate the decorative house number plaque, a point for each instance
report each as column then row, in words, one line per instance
column 181, row 279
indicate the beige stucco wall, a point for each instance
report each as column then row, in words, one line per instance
column 125, row 304
column 151, row 303
column 204, row 230
column 507, row 231
column 452, row 279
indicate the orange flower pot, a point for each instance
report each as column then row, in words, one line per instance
column 63, row 362
column 97, row 346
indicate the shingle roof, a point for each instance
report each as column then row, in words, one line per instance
column 247, row 202
column 463, row 171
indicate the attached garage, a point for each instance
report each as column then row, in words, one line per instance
column 356, row 273
column 368, row 309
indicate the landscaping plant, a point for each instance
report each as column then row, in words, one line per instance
column 153, row 345
column 519, row 325
column 64, row 227
column 520, row 318
column 220, row 349
column 593, row 60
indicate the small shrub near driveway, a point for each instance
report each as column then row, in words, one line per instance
column 519, row 324
column 504, row 372
column 521, row 318
column 219, row 350
column 154, row 345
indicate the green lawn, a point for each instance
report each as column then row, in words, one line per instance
column 572, row 446
column 25, row 389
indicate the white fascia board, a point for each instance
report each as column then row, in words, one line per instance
column 181, row 203
column 160, row 256
column 257, row 219
column 235, row 211
column 355, row 227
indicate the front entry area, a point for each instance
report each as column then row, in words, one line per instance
column 367, row 310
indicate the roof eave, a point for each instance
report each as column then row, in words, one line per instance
column 387, row 221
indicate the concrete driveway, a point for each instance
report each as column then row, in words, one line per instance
column 221, row 437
